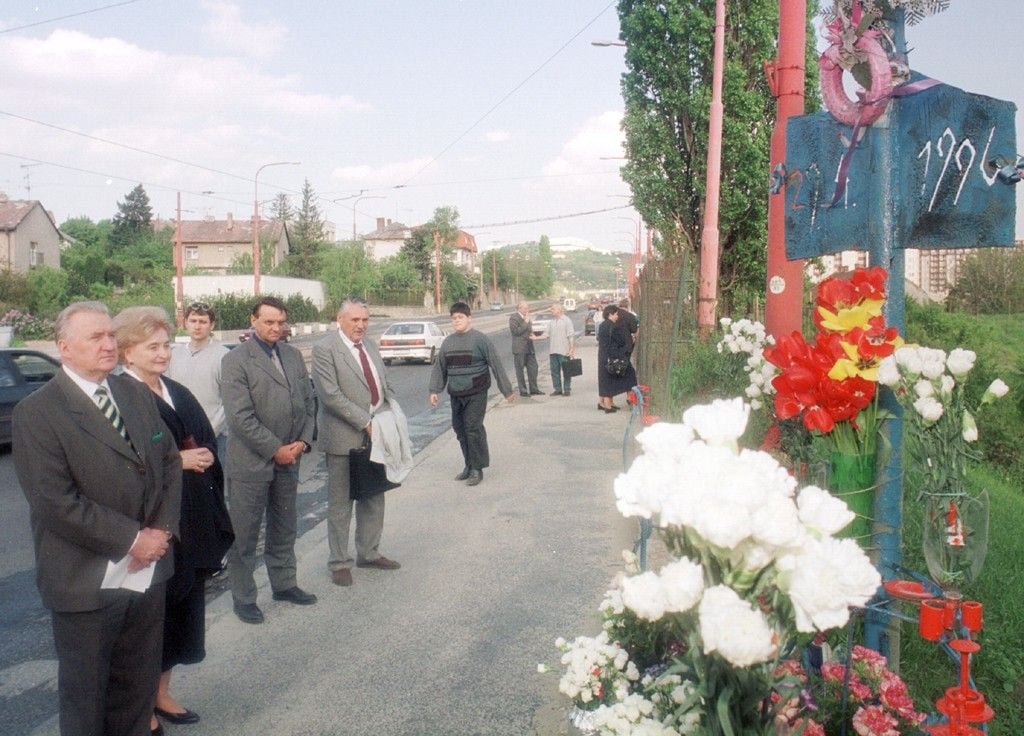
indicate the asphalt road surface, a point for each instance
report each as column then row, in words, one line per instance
column 27, row 661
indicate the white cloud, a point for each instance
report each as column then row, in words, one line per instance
column 497, row 136
column 599, row 137
column 226, row 29
column 395, row 172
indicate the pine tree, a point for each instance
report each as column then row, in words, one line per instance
column 132, row 221
column 308, row 236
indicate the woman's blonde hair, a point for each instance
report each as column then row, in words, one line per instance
column 137, row 324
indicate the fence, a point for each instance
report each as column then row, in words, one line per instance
column 666, row 303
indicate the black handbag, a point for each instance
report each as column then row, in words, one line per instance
column 617, row 367
column 572, row 367
column 365, row 477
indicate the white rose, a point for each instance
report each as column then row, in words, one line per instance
column 822, row 512
column 960, row 362
column 929, row 409
column 733, row 628
column 722, row 422
column 643, row 595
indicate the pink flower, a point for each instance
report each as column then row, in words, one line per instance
column 874, row 662
column 811, row 728
column 872, row 720
column 833, row 672
column 894, row 696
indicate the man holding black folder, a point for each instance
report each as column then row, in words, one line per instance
column 562, row 347
column 351, row 386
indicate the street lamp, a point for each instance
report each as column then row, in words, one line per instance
column 256, row 223
column 358, row 200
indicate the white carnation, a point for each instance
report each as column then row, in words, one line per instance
column 924, row 389
column 929, row 409
column 643, row 595
column 888, row 372
column 732, row 627
column 996, row 390
column 824, row 578
column 822, row 512
column 682, row 584
column 970, row 427
column 722, row 422
column 946, row 385
column 960, row 362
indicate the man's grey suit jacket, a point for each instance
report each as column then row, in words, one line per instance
column 264, row 409
column 88, row 490
column 344, row 394
column 521, row 329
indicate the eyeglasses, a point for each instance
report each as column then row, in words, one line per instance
column 198, row 307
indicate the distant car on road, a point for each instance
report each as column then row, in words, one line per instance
column 411, row 341
column 569, row 305
column 589, row 326
column 496, row 306
column 21, row 373
column 541, row 325
column 247, row 333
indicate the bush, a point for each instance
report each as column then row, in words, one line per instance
column 26, row 326
column 234, row 310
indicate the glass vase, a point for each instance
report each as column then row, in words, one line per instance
column 955, row 537
column 852, row 479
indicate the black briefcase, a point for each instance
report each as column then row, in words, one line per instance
column 572, row 367
column 365, row 477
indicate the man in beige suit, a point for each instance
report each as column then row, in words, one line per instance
column 351, row 387
column 102, row 477
column 269, row 407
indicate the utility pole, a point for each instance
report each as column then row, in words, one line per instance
column 437, row 272
column 179, row 290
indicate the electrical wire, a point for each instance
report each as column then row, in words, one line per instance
column 65, row 17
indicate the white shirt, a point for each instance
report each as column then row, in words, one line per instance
column 373, row 369
column 89, row 387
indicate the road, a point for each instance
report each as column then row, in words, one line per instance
column 27, row 660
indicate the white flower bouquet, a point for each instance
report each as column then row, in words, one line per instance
column 755, row 568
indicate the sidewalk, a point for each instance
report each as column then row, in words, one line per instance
column 449, row 644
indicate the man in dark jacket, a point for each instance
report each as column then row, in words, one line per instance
column 523, row 354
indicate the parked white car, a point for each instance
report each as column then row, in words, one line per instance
column 541, row 325
column 411, row 341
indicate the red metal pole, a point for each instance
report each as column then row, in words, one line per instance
column 437, row 272
column 708, row 287
column 784, row 298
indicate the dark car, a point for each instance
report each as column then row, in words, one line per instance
column 589, row 328
column 21, row 373
column 248, row 332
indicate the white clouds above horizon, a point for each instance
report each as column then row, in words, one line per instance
column 226, row 29
column 497, row 136
column 387, row 174
column 599, row 137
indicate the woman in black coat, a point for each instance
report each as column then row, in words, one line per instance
column 613, row 342
column 143, row 342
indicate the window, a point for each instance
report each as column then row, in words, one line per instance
column 191, row 253
column 35, row 256
column 34, row 368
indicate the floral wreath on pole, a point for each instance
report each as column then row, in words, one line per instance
column 854, row 29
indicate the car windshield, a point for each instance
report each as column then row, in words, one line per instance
column 405, row 329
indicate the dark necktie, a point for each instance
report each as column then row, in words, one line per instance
column 110, row 411
column 365, row 362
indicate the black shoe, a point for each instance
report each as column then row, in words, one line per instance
column 178, row 719
column 475, row 476
column 536, row 392
column 525, row 393
column 464, row 474
column 250, row 613
column 555, row 393
column 566, row 393
column 295, row 595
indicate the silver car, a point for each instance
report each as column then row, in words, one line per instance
column 411, row 341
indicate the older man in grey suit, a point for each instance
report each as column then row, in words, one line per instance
column 103, row 481
column 351, row 386
column 269, row 407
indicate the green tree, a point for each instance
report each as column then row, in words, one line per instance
column 281, row 209
column 419, row 248
column 132, row 220
column 85, row 232
column 991, row 281
column 307, row 236
column 667, row 94
column 397, row 273
column 347, row 271
column 49, row 289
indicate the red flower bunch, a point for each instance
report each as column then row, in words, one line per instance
column 832, row 382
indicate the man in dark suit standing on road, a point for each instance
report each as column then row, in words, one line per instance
column 352, row 387
column 268, row 403
column 103, row 481
column 524, row 356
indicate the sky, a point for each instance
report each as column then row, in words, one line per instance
column 392, row 108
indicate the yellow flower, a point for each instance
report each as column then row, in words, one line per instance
column 854, row 364
column 847, row 318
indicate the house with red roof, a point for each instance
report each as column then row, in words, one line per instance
column 29, row 237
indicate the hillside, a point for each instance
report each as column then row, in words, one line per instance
column 588, row 271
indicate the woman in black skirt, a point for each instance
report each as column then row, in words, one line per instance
column 613, row 343
column 143, row 343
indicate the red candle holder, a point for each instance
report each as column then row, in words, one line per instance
column 930, row 620
column 971, row 616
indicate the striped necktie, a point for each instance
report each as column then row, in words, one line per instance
column 102, row 397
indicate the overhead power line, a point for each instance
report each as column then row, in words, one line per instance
column 548, row 219
column 65, row 17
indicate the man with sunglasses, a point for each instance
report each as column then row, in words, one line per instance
column 197, row 366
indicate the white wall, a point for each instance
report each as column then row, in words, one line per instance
column 197, row 287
